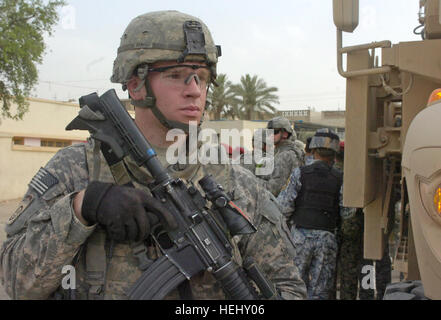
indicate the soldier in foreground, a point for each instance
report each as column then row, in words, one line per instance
column 76, row 212
column 312, row 202
column 286, row 155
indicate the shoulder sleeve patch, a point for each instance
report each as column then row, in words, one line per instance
column 24, row 204
column 43, row 181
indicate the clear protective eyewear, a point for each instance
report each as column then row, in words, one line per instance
column 181, row 75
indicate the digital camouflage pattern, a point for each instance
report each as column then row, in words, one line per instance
column 46, row 235
column 350, row 255
column 299, row 148
column 157, row 36
column 351, row 263
column 321, row 279
column 318, row 141
column 316, row 252
column 286, row 160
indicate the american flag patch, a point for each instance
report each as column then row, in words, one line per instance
column 43, row 181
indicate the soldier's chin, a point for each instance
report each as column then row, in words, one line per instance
column 192, row 121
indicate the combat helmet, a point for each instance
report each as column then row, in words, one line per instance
column 325, row 138
column 281, row 123
column 162, row 36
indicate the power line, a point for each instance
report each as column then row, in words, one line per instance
column 69, row 85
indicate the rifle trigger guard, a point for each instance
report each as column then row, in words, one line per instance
column 140, row 253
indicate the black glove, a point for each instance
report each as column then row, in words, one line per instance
column 126, row 213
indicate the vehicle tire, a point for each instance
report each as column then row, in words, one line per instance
column 407, row 290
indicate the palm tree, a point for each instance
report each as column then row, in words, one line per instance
column 234, row 111
column 220, row 97
column 255, row 98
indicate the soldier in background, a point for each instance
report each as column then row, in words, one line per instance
column 286, row 155
column 312, row 203
column 309, row 158
column 299, row 147
column 249, row 160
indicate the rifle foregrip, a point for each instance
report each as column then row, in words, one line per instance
column 234, row 282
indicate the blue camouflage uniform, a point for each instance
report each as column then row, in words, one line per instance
column 316, row 250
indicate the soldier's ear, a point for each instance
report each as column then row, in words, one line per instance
column 137, row 90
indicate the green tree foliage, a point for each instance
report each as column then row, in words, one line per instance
column 23, row 23
column 255, row 98
column 234, row 111
column 221, row 97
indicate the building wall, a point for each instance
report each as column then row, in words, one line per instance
column 296, row 115
column 330, row 118
column 45, row 121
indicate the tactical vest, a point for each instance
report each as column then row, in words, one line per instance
column 317, row 205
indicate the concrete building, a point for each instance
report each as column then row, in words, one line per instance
column 26, row 145
column 325, row 118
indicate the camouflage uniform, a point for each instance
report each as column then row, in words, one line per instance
column 351, row 255
column 44, row 235
column 350, row 251
column 316, row 250
column 285, row 161
column 287, row 156
column 299, row 147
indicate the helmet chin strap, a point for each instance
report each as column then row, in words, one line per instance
column 150, row 102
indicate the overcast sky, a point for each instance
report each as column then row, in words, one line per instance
column 291, row 44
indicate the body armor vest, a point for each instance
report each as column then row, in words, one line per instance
column 317, row 205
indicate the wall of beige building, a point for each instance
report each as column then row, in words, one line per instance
column 22, row 153
column 328, row 118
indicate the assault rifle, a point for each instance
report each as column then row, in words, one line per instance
column 200, row 241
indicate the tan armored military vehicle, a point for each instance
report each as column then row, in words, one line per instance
column 393, row 142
